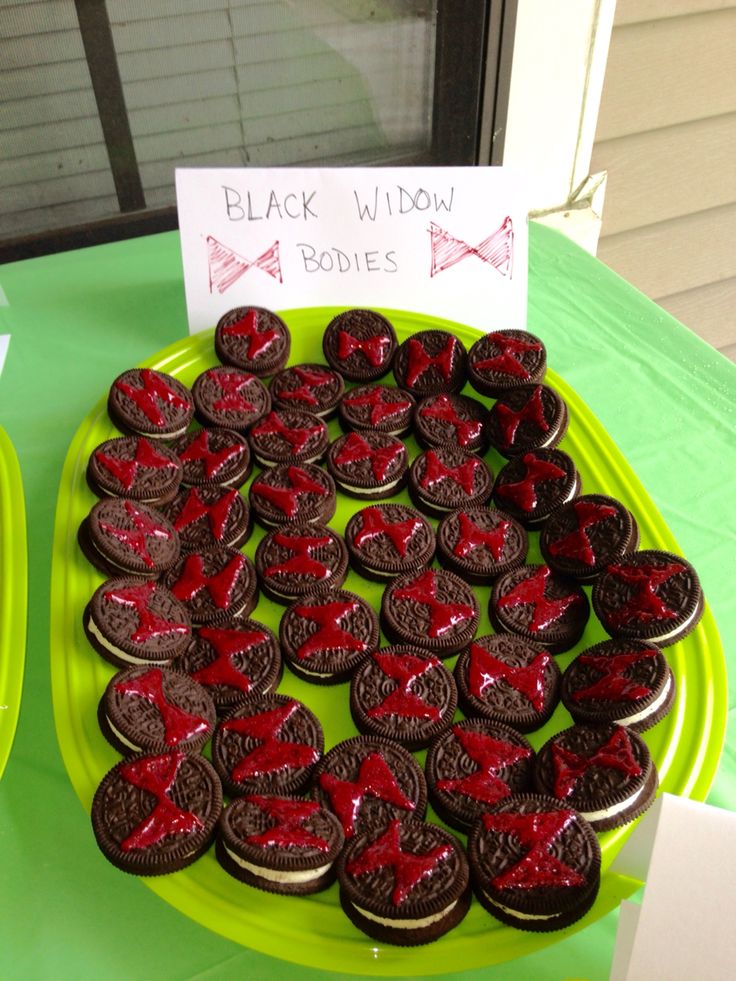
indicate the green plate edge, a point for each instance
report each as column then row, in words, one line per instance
column 313, row 931
column 13, row 594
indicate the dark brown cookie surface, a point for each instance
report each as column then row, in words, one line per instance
column 298, row 559
column 132, row 467
column 430, row 361
column 434, row 610
column 205, row 517
column 229, row 398
column 214, row 458
column 124, row 537
column 215, row 584
column 587, row 534
column 360, row 344
column 527, row 418
column 383, row 408
column 145, row 402
column 505, row 359
column 387, row 540
column 481, row 543
column 446, row 478
column 254, row 339
column 368, row 464
column 455, row 419
column 308, row 387
column 290, row 492
column 288, row 436
column 532, row 486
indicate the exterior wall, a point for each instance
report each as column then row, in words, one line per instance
column 667, row 137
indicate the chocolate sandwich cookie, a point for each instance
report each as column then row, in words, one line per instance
column 215, row 584
column 649, row 595
column 360, row 344
column 308, row 387
column 474, row 765
column 509, row 680
column 431, row 361
column 480, row 543
column 368, row 781
column 540, row 606
column 205, row 517
column 233, row 659
column 288, row 436
column 506, row 359
column 135, row 621
column 387, row 540
column 155, row 814
column 408, row 885
column 279, row 844
column 530, row 417
column 123, row 537
column 605, row 772
column 229, row 398
column 534, row 863
column 455, row 419
column 403, row 694
column 214, row 458
column 292, row 493
column 368, row 465
column 132, row 467
column 325, row 636
column 434, row 610
column 254, row 339
column 587, row 534
column 446, row 478
column 267, row 744
column 295, row 560
column 535, row 484
column 154, row 709
column 627, row 682
column 382, row 408
column 144, row 402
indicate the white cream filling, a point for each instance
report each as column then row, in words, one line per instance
column 123, row 655
column 683, row 626
column 407, row 924
column 120, row 736
column 638, row 716
column 277, row 463
column 305, row 875
column 174, row 435
column 520, row 916
column 613, row 809
column 365, row 491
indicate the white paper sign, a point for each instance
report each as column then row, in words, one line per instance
column 446, row 241
column 684, row 929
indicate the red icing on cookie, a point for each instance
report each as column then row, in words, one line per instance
column 442, row 616
column 613, row 685
column 126, row 471
column 539, row 868
column 380, row 408
column 286, row 499
column 375, row 779
column 329, row 635
column 532, row 411
column 490, row 755
column 213, row 460
column 136, row 538
column 470, row 537
column 508, row 360
column 153, row 393
column 220, row 586
column 435, row 470
column 297, row 437
column 644, row 605
column 373, row 348
column 227, row 644
column 418, row 360
column 288, row 829
column 569, row 767
column 531, row 590
column 247, row 326
column 271, row 754
column 150, row 625
column 179, row 725
column 466, row 430
column 218, row 513
column 400, row 533
column 485, row 670
column 301, row 563
column 577, row 544
column 156, row 775
column 523, row 492
column 355, row 448
column 404, row 669
column 310, row 379
column 231, row 384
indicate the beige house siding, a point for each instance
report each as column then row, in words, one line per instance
column 667, row 137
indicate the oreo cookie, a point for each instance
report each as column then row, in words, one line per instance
column 302, row 494
column 288, row 436
column 155, row 814
column 381, row 408
column 325, row 636
column 532, row 486
column 605, row 772
column 480, row 543
column 472, row 766
column 309, row 388
column 407, row 885
column 132, row 467
column 530, row 417
column 155, row 709
column 134, row 621
column 534, row 863
column 505, row 679
column 229, row 398
column 446, row 478
column 279, row 844
column 627, row 682
column 360, row 344
column 431, row 361
column 267, row 744
column 539, row 606
column 206, row 517
column 387, row 540
column 367, row 782
column 254, row 339
column 434, row 610
column 506, row 359
column 123, row 537
column 370, row 465
column 649, row 595
column 584, row 536
column 233, row 659
column 295, row 560
column 144, row 402
column 403, row 694
column 455, row 419
column 214, row 585
column 214, row 458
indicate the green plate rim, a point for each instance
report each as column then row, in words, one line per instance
column 305, row 934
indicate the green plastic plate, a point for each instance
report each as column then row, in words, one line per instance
column 313, row 931
column 13, row 594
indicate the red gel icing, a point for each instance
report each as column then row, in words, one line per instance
column 466, row 430
column 470, row 537
column 329, row 634
column 435, row 470
column 613, row 684
column 509, row 359
column 227, row 644
column 179, row 725
column 218, row 513
column 301, row 563
column 356, row 448
column 577, row 544
column 644, row 604
column 296, row 437
column 523, row 492
column 404, row 669
column 136, row 538
column 373, row 348
column 539, row 868
column 443, row 617
column 231, row 384
column 156, row 775
column 569, row 767
column 287, row 831
column 220, row 586
column 126, row 471
column 153, row 393
column 213, row 461
column 531, row 590
column 490, row 755
column 286, row 499
column 247, row 326
column 150, row 625
column 375, row 779
column 418, row 360
column 485, row 670
column 272, row 754
column 383, row 403
column 310, row 379
column 399, row 533
column 510, row 419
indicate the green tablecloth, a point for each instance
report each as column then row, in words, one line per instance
column 78, row 319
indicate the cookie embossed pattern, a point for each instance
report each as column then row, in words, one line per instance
column 684, row 745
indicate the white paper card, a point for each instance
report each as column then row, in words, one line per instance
column 446, row 241
column 684, row 929
column 4, row 345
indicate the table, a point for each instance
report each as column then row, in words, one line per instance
column 76, row 320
